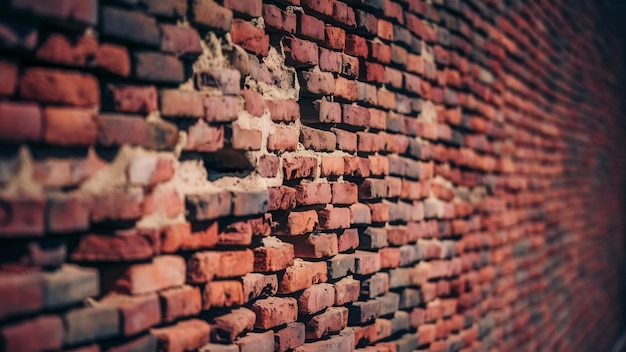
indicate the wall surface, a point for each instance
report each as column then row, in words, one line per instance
column 317, row 175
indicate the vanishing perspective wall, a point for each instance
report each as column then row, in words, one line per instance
column 315, row 175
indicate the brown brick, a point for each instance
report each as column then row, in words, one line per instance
column 274, row 311
column 59, row 87
column 184, row 336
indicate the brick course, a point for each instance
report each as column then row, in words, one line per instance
column 306, row 175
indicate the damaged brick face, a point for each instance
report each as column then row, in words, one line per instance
column 309, row 175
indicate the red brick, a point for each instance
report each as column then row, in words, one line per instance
column 135, row 99
column 310, row 193
column 356, row 46
column 210, row 14
column 302, row 275
column 366, row 262
column 157, row 67
column 366, row 334
column 283, row 110
column 74, row 11
column 19, row 336
column 343, row 13
column 204, row 138
column 299, row 223
column 281, row 198
column 180, row 302
column 251, row 8
column 346, row 89
column 346, row 141
column 226, row 81
column 163, row 272
column 385, row 30
column 186, row 335
column 167, row 8
column 355, row 115
column 69, row 127
column 123, row 247
column 332, row 321
column 317, row 245
column 283, row 138
column 204, row 266
column 344, row 193
column 300, row 53
column 331, row 166
column 250, row 37
column 334, row 38
column 347, row 290
column 227, row 327
column 8, row 81
column 273, row 255
column 348, row 240
column 113, row 58
column 22, row 293
column 179, row 103
column 330, row 61
column 334, row 218
column 309, row 26
column 59, row 87
column 165, row 201
column 138, row 313
column 131, row 26
column 254, row 104
column 68, row 213
column 220, row 109
column 267, row 165
column 373, row 72
column 317, row 83
column 22, row 216
column 274, row 311
column 58, row 48
column 299, row 167
column 368, row 142
column 322, row 111
column 246, row 139
column 20, row 122
column 316, row 298
column 289, row 337
column 360, row 214
column 118, row 204
column 324, row 7
column 275, row 18
column 317, row 140
column 145, row 342
column 221, row 294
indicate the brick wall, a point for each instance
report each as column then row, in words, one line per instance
column 317, row 175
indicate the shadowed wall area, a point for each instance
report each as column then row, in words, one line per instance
column 311, row 175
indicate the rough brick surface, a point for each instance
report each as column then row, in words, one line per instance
column 308, row 175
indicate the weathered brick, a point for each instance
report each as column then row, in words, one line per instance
column 180, row 302
column 19, row 336
column 208, row 13
column 90, row 324
column 157, row 67
column 274, row 311
column 163, row 272
column 204, row 266
column 184, row 336
column 301, row 275
column 249, row 37
column 138, row 313
column 132, row 26
column 59, row 87
column 227, row 327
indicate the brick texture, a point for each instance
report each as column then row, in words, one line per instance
column 311, row 175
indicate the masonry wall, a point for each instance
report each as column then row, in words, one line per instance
column 316, row 175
